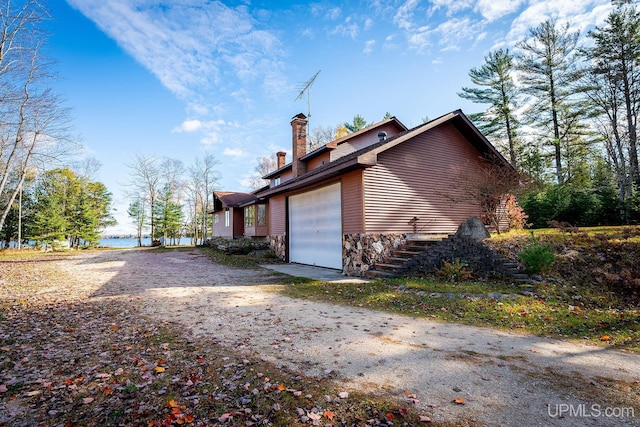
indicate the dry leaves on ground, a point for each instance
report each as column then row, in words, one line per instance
column 69, row 360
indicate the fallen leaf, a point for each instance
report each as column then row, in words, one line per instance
column 458, row 401
column 329, row 415
column 3, row 388
column 313, row 416
column 224, row 417
column 281, row 387
column 87, row 400
column 189, row 418
column 107, row 390
column 605, row 338
column 159, row 369
column 172, row 403
column 390, row 416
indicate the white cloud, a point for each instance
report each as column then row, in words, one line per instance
column 405, row 15
column 368, row 46
column 233, row 152
column 188, row 126
column 194, row 48
column 451, row 7
column 333, row 13
column 347, row 28
column 579, row 14
column 368, row 24
column 496, row 9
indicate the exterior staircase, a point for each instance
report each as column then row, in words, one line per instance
column 399, row 257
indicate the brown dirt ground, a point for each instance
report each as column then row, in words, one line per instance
column 504, row 378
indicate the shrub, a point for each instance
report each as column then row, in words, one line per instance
column 455, row 271
column 537, row 258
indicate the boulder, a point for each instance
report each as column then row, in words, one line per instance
column 473, row 228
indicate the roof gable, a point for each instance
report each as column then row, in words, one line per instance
column 367, row 156
column 232, row 199
column 392, row 122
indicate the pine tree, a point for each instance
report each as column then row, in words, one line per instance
column 498, row 90
column 548, row 62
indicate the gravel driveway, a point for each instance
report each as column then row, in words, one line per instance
column 503, row 378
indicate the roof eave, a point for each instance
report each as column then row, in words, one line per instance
column 360, row 162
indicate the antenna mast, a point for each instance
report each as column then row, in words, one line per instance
column 306, row 87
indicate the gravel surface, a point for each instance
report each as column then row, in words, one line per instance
column 502, row 378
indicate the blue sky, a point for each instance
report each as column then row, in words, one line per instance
column 180, row 78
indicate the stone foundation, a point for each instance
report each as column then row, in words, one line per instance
column 362, row 251
column 278, row 245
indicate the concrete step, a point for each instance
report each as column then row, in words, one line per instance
column 403, row 253
column 396, row 260
column 386, row 267
column 377, row 274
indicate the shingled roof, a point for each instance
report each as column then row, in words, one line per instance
column 367, row 156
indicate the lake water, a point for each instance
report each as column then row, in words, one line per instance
column 132, row 242
column 126, row 242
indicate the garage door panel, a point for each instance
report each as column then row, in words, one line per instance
column 315, row 227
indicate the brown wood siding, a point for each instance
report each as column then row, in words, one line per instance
column 316, row 162
column 353, row 203
column 219, row 229
column 276, row 215
column 412, row 179
column 361, row 141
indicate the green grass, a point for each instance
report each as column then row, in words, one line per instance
column 236, row 261
column 554, row 311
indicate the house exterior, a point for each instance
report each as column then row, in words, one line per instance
column 228, row 213
column 347, row 204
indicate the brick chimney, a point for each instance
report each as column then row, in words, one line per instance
column 299, row 141
column 281, row 158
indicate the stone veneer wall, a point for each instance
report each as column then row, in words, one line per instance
column 361, row 251
column 482, row 261
column 278, row 245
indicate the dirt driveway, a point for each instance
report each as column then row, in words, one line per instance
column 504, row 378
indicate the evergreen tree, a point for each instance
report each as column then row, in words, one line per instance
column 498, row 90
column 68, row 207
column 548, row 63
column 615, row 75
column 357, row 124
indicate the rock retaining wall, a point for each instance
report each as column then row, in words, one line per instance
column 278, row 245
column 361, row 251
column 482, row 261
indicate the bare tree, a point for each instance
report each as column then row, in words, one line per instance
column 145, row 179
column 487, row 186
column 265, row 165
column 204, row 178
column 34, row 127
column 321, row 136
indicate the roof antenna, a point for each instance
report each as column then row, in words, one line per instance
column 306, row 87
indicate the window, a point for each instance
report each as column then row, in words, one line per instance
column 276, row 180
column 227, row 217
column 249, row 216
column 261, row 221
column 216, row 218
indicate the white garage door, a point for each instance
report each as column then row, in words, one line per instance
column 315, row 227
